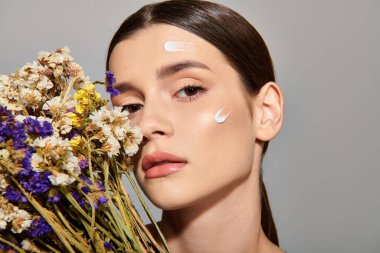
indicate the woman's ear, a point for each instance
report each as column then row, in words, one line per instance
column 268, row 111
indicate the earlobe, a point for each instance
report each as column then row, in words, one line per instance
column 269, row 110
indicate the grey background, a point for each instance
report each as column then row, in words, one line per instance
column 322, row 171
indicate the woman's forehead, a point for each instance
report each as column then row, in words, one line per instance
column 160, row 43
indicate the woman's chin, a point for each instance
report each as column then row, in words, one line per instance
column 169, row 204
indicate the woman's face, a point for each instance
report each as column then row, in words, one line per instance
column 173, row 82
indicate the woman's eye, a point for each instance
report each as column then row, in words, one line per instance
column 190, row 92
column 132, row 108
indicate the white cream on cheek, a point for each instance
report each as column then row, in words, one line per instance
column 219, row 118
column 174, row 46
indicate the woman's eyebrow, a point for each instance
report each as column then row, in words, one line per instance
column 164, row 72
column 172, row 69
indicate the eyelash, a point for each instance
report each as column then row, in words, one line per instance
column 199, row 88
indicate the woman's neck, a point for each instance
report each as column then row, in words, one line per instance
column 227, row 222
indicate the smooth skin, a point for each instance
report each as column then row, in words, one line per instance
column 213, row 203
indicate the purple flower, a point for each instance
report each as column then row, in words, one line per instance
column 13, row 196
column 83, row 164
column 4, row 247
column 26, row 162
column 38, row 183
column 110, row 81
column 110, row 78
column 78, row 198
column 101, row 186
column 5, row 114
column 102, row 200
column 46, row 129
column 32, row 125
column 107, row 245
column 85, row 189
column 74, row 132
column 114, row 92
column 5, row 131
column 38, row 228
column 54, row 199
column 19, row 136
column 53, row 196
column 35, row 127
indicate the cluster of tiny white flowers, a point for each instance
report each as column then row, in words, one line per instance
column 61, row 64
column 133, row 138
column 20, row 219
column 55, row 105
column 114, row 126
column 31, row 84
column 56, row 150
column 9, row 94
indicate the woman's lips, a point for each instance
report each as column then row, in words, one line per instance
column 160, row 164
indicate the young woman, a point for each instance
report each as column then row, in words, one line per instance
column 198, row 80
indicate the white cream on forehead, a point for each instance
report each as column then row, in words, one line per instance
column 175, row 46
column 219, row 118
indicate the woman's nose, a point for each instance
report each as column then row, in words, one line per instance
column 155, row 121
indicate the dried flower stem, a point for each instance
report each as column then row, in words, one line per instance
column 67, row 224
column 147, row 210
column 67, row 90
column 60, row 232
column 11, row 245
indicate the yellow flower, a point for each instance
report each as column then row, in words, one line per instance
column 79, row 108
column 74, row 119
column 80, row 94
column 76, row 141
column 89, row 87
column 98, row 97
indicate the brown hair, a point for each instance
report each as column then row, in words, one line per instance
column 233, row 35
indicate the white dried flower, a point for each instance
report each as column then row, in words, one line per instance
column 56, row 107
column 4, row 154
column 37, row 162
column 21, row 222
column 71, row 164
column 120, row 132
column 32, row 97
column 63, row 125
column 102, row 116
column 44, row 83
column 42, row 119
column 26, row 244
column 133, row 138
column 3, row 222
column 111, row 146
column 5, row 80
column 61, row 179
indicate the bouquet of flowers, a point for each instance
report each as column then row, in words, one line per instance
column 63, row 154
